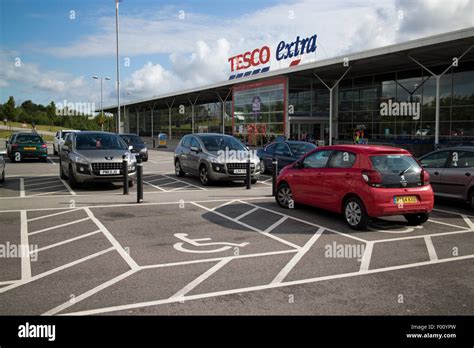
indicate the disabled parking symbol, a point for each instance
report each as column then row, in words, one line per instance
column 198, row 242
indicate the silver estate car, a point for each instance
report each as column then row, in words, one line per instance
column 451, row 172
column 214, row 157
column 94, row 156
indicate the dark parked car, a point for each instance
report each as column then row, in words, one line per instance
column 452, row 172
column 286, row 152
column 139, row 146
column 27, row 145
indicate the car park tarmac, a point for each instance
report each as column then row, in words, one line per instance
column 219, row 249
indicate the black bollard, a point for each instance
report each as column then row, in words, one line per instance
column 247, row 171
column 274, row 176
column 125, row 174
column 139, row 180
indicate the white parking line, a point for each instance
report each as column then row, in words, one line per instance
column 45, row 188
column 365, row 263
column 28, row 185
column 22, row 187
column 224, row 204
column 58, row 226
column 423, row 235
column 37, row 177
column 276, row 224
column 448, row 224
column 52, row 162
column 157, row 187
column 25, row 256
column 89, row 293
column 8, row 282
column 468, row 221
column 54, row 214
column 179, row 188
column 187, row 183
column 45, row 193
column 299, row 255
column 247, row 213
column 64, row 242
column 159, row 179
column 431, row 248
column 71, row 191
column 263, row 287
column 128, row 259
column 54, row 270
column 201, row 278
column 249, row 226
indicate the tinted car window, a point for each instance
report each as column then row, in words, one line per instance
column 435, row 160
column 270, row 148
column 397, row 168
column 186, row 141
column 131, row 138
column 195, row 143
column 342, row 159
column 27, row 138
column 63, row 135
column 99, row 141
column 462, row 159
column 218, row 142
column 318, row 159
column 282, row 149
column 301, row 149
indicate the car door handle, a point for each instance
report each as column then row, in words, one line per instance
column 436, row 173
column 348, row 176
column 468, row 174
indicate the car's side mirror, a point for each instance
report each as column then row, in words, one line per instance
column 194, row 149
column 130, row 147
column 298, row 165
column 248, row 148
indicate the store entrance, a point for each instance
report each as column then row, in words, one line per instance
column 311, row 132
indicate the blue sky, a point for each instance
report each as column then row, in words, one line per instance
column 59, row 55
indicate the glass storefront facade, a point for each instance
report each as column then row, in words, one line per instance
column 298, row 107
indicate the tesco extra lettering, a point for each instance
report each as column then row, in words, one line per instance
column 258, row 57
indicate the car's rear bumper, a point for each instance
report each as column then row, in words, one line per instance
column 31, row 154
column 380, row 201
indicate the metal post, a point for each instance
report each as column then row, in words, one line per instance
column 119, row 130
column 101, row 105
column 438, row 78
column 152, row 123
column 331, row 101
column 169, row 117
column 274, row 176
column 125, row 174
column 247, row 172
column 192, row 118
column 139, row 180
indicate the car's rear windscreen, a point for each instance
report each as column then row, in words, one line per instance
column 29, row 139
column 397, row 170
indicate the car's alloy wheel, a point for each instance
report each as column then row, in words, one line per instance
column 72, row 179
column 177, row 169
column 355, row 214
column 204, row 175
column 284, row 196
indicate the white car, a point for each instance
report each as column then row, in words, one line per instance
column 59, row 139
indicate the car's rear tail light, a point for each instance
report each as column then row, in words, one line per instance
column 44, row 146
column 14, row 146
column 425, row 177
column 372, row 178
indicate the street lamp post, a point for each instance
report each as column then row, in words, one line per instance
column 119, row 130
column 101, row 95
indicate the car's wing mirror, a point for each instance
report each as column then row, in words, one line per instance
column 130, row 147
column 194, row 149
column 298, row 165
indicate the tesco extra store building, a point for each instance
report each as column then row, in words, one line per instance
column 418, row 95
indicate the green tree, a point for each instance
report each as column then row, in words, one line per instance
column 9, row 109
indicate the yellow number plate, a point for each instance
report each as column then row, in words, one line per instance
column 405, row 200
column 30, row 148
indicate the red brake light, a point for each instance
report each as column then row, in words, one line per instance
column 44, row 146
column 372, row 178
column 425, row 177
column 14, row 146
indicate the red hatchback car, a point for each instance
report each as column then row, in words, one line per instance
column 361, row 182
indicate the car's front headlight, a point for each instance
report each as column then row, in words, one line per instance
column 79, row 159
column 144, row 150
column 215, row 160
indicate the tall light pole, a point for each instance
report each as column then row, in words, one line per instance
column 119, row 130
column 101, row 95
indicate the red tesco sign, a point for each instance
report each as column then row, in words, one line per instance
column 251, row 58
